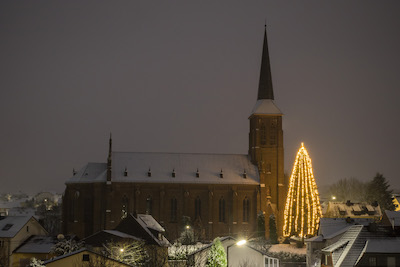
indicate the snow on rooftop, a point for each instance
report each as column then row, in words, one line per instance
column 11, row 225
column 265, row 107
column 135, row 167
column 151, row 222
column 38, row 244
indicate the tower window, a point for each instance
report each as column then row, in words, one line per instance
column 197, row 208
column 263, row 135
column 221, row 210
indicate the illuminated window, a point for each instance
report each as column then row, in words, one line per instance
column 197, row 208
column 149, row 205
column 124, row 208
column 246, row 209
column 174, row 209
column 221, row 210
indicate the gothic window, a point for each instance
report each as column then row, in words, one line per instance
column 124, row 208
column 149, row 205
column 246, row 209
column 197, row 208
column 273, row 132
column 221, row 209
column 263, row 135
column 174, row 210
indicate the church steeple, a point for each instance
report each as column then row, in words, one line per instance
column 265, row 90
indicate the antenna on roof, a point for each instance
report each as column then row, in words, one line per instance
column 221, row 174
column 149, row 172
column 197, row 173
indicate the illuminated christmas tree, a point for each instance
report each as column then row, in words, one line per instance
column 302, row 209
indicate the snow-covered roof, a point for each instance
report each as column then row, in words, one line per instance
column 120, row 234
column 348, row 209
column 11, row 225
column 331, row 227
column 265, row 107
column 162, row 166
column 383, row 246
column 37, row 244
column 150, row 222
column 91, row 173
column 394, row 217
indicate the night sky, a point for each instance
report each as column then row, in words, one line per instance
column 182, row 76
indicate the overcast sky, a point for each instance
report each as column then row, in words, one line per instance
column 182, row 76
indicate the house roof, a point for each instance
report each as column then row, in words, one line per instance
column 393, row 216
column 383, row 246
column 331, row 227
column 162, row 165
column 37, row 244
column 342, row 209
column 80, row 251
column 11, row 225
column 138, row 227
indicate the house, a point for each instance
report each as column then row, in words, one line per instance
column 14, row 230
column 362, row 245
column 352, row 210
column 330, row 231
column 36, row 246
column 221, row 193
column 84, row 258
column 141, row 227
column 391, row 220
column 237, row 255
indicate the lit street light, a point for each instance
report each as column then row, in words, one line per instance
column 239, row 243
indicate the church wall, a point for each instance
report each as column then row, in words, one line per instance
column 208, row 224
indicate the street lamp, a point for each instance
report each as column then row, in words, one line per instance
column 239, row 243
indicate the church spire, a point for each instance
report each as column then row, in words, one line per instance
column 265, row 90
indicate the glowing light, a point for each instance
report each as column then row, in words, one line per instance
column 241, row 242
column 333, row 197
column 122, row 250
column 302, row 209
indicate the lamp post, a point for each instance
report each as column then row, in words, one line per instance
column 239, row 243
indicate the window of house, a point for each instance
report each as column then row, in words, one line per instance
column 372, row 261
column 149, row 205
column 85, row 257
column 221, row 210
column 197, row 208
column 391, row 261
column 246, row 209
column 174, row 209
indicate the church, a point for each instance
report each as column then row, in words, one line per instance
column 216, row 194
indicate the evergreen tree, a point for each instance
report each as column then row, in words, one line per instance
column 217, row 255
column 378, row 190
column 273, row 235
column 261, row 224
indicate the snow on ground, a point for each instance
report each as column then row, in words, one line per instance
column 287, row 248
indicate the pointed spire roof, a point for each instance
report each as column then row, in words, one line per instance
column 265, row 90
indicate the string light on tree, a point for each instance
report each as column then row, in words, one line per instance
column 302, row 209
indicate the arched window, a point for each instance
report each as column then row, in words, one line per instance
column 174, row 208
column 197, row 208
column 221, row 209
column 149, row 205
column 124, row 208
column 246, row 209
column 263, row 135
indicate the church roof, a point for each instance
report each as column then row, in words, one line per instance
column 265, row 90
column 135, row 167
column 265, row 107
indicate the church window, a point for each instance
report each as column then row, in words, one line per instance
column 197, row 208
column 124, row 208
column 174, row 209
column 263, row 135
column 149, row 205
column 221, row 216
column 246, row 209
